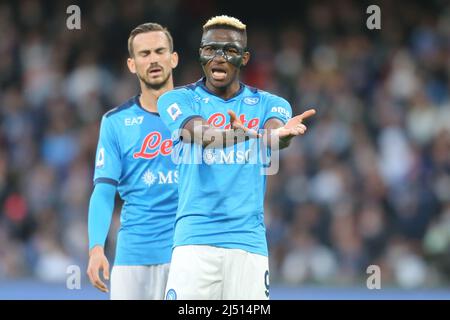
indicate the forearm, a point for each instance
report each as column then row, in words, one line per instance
column 101, row 208
column 284, row 142
column 274, row 142
column 271, row 137
column 200, row 132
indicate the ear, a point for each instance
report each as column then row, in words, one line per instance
column 245, row 58
column 131, row 65
column 174, row 60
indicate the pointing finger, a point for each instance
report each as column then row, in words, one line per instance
column 307, row 114
column 233, row 116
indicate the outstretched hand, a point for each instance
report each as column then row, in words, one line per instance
column 295, row 126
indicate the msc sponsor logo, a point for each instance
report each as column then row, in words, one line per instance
column 282, row 111
column 220, row 156
column 209, row 156
column 133, row 121
column 151, row 178
column 153, row 145
column 251, row 101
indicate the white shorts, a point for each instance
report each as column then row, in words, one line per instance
column 200, row 272
column 139, row 282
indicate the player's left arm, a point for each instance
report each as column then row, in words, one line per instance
column 275, row 129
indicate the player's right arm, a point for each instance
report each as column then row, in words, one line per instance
column 101, row 207
column 176, row 111
column 108, row 169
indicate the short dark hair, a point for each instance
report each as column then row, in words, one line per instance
column 148, row 27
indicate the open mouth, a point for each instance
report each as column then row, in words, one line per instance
column 155, row 71
column 218, row 73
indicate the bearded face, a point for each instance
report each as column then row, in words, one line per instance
column 152, row 59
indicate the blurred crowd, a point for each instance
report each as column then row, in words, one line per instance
column 369, row 183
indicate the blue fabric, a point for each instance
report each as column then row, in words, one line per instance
column 221, row 190
column 101, row 208
column 134, row 152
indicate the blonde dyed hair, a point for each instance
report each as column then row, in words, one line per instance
column 221, row 21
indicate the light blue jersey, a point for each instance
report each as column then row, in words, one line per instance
column 133, row 153
column 221, row 191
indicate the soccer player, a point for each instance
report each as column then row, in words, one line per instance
column 133, row 158
column 220, row 247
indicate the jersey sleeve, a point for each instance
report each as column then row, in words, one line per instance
column 108, row 167
column 176, row 109
column 101, row 207
column 279, row 108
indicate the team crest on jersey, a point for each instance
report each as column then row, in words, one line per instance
column 251, row 100
column 149, row 178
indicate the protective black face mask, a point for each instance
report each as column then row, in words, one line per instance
column 232, row 52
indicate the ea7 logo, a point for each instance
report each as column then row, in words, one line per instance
column 281, row 111
column 134, row 121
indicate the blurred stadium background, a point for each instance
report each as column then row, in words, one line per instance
column 368, row 184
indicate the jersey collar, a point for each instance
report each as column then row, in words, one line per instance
column 202, row 84
column 138, row 103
